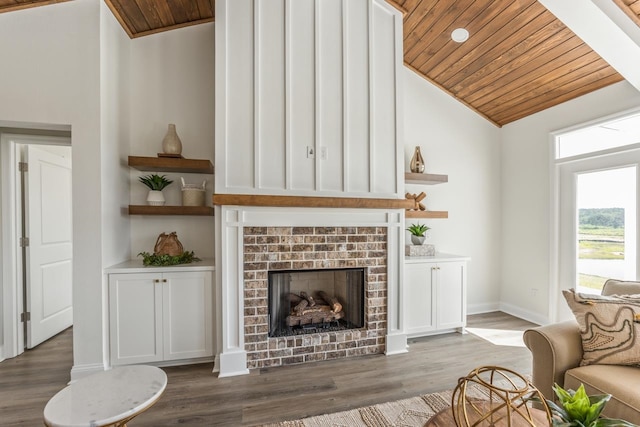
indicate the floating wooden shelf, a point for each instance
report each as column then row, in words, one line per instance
column 426, row 214
column 425, row 178
column 311, row 202
column 170, row 210
column 169, row 164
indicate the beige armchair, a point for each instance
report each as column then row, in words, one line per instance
column 557, row 352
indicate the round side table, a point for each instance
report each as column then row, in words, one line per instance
column 109, row 398
column 494, row 396
column 445, row 418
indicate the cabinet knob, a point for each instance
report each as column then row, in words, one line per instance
column 164, row 280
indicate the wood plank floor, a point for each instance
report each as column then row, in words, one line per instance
column 196, row 397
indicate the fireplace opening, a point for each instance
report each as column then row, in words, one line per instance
column 312, row 301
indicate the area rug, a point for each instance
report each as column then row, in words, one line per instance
column 411, row 412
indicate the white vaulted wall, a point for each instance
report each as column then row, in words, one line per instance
column 307, row 97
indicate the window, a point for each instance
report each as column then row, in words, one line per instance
column 607, row 135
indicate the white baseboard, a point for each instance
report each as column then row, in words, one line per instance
column 80, row 371
column 232, row 364
column 524, row 314
column 483, row 308
column 511, row 309
column 396, row 344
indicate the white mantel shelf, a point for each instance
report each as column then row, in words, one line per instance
column 438, row 257
column 135, row 266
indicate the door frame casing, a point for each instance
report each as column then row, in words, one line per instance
column 11, row 209
column 554, row 295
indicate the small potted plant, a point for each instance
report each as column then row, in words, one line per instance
column 156, row 184
column 417, row 233
column 578, row 409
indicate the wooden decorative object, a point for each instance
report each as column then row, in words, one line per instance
column 168, row 244
column 510, row 396
column 416, row 199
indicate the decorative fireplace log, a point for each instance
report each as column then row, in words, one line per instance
column 309, row 298
column 315, row 309
column 331, row 301
column 294, row 299
column 300, row 307
column 314, row 317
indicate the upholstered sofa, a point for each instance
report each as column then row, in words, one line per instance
column 557, row 353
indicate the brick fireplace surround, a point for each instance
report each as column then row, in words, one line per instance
column 312, row 248
column 256, row 239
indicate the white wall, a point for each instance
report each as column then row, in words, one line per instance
column 459, row 143
column 114, row 126
column 526, row 195
column 50, row 75
column 172, row 81
column 114, row 134
column 302, row 74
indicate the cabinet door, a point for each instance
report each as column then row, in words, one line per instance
column 419, row 315
column 135, row 318
column 451, row 295
column 188, row 320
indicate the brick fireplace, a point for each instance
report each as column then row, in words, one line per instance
column 255, row 240
column 269, row 249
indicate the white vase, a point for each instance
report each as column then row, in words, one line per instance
column 171, row 143
column 155, row 198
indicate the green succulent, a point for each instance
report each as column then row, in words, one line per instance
column 577, row 409
column 418, row 229
column 155, row 182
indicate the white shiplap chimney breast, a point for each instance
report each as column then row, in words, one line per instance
column 307, row 98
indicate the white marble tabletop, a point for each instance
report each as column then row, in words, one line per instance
column 107, row 397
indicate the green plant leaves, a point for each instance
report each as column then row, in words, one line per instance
column 577, row 409
column 160, row 260
column 417, row 229
column 155, row 182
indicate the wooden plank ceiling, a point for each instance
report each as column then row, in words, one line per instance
column 11, row 5
column 631, row 8
column 143, row 17
column 519, row 58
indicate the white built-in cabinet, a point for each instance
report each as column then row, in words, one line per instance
column 160, row 314
column 435, row 294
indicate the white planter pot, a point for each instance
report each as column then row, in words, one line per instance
column 417, row 240
column 155, row 198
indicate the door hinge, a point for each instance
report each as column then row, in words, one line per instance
column 24, row 242
column 23, row 166
column 25, row 317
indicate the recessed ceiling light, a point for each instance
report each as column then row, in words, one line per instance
column 459, row 35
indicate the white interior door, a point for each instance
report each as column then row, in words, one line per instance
column 48, row 226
